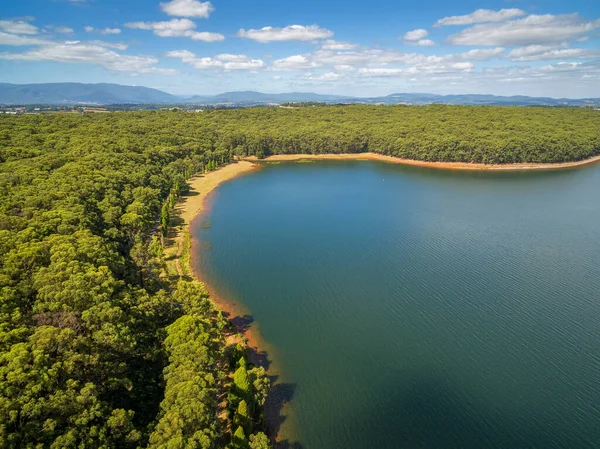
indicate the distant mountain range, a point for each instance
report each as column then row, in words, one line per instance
column 78, row 93
column 110, row 94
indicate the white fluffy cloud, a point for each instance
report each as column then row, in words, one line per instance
column 375, row 62
column 482, row 16
column 330, row 44
column 296, row 62
column 425, row 43
column 177, row 28
column 432, row 67
column 289, row 33
column 89, row 29
column 89, row 53
column 481, row 54
column 18, row 27
column 415, row 35
column 16, row 40
column 533, row 29
column 223, row 61
column 545, row 52
column 329, row 76
column 187, row 8
column 343, row 68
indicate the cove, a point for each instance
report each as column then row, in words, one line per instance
column 409, row 307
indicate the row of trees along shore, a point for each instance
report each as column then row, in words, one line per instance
column 98, row 348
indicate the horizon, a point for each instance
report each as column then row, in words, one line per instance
column 548, row 49
column 190, row 95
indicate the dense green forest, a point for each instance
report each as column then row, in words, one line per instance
column 97, row 347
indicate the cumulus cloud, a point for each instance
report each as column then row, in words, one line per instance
column 343, row 68
column 415, row 35
column 545, row 52
column 329, row 76
column 177, row 28
column 224, row 61
column 380, row 62
column 427, row 68
column 481, row 54
column 89, row 53
column 89, row 29
column 482, row 16
column 533, row 29
column 18, row 27
column 289, row 33
column 16, row 40
column 187, row 8
column 295, row 62
column 331, row 44
column 425, row 43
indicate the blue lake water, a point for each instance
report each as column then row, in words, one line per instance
column 410, row 307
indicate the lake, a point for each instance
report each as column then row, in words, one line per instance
column 411, row 307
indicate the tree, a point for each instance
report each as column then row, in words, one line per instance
column 259, row 441
column 242, row 417
column 260, row 385
column 164, row 219
column 241, row 381
column 239, row 440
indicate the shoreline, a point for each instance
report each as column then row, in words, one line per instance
column 417, row 163
column 260, row 353
column 191, row 208
column 202, row 188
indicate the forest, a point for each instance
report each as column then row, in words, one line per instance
column 98, row 348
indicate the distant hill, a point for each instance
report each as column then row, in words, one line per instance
column 107, row 94
column 258, row 97
column 74, row 93
column 475, row 100
column 253, row 98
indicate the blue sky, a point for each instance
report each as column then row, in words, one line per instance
column 505, row 47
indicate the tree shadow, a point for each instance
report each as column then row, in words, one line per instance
column 242, row 323
column 280, row 395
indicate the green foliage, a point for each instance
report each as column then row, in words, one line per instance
column 260, row 385
column 243, row 387
column 164, row 219
column 259, row 441
column 83, row 311
column 242, row 417
column 239, row 440
column 188, row 410
column 193, row 298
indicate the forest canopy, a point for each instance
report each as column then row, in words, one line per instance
column 433, row 133
column 97, row 349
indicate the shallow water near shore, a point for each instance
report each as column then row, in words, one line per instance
column 410, row 307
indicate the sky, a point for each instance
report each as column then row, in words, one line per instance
column 358, row 48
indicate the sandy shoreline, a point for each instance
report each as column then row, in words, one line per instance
column 201, row 186
column 191, row 208
column 440, row 165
